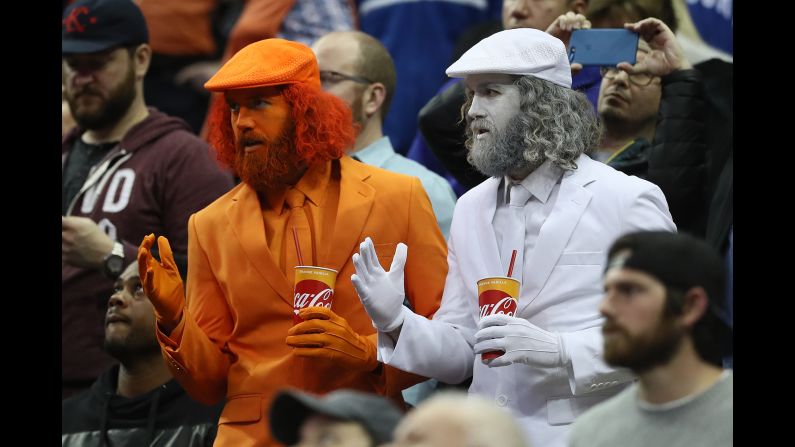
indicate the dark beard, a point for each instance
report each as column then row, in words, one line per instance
column 504, row 153
column 642, row 353
column 111, row 111
column 133, row 347
column 269, row 167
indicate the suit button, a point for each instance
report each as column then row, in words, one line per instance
column 502, row 400
column 593, row 386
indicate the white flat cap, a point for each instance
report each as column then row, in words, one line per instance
column 521, row 51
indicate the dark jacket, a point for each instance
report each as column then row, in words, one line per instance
column 694, row 170
column 157, row 176
column 165, row 416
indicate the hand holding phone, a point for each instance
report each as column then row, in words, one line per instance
column 603, row 47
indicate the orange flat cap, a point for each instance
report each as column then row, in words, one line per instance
column 265, row 63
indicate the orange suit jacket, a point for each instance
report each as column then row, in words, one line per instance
column 231, row 342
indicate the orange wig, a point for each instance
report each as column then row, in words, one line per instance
column 322, row 126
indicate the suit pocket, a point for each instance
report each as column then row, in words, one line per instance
column 582, row 258
column 385, row 252
column 563, row 411
column 242, row 409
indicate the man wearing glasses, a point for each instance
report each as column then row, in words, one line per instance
column 662, row 80
column 356, row 68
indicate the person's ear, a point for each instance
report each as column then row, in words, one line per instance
column 142, row 57
column 695, row 303
column 373, row 98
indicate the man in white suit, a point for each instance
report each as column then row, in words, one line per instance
column 551, row 203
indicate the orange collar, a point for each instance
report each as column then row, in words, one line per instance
column 312, row 184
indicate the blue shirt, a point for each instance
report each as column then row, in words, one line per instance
column 382, row 155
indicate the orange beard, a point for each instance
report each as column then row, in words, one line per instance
column 270, row 166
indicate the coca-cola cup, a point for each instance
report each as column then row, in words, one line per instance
column 314, row 286
column 497, row 295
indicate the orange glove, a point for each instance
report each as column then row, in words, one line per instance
column 161, row 281
column 325, row 334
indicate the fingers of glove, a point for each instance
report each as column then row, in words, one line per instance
column 361, row 268
column 315, row 326
column 144, row 254
column 148, row 242
column 370, row 256
column 490, row 345
column 520, row 326
column 166, row 255
column 318, row 313
column 399, row 260
column 502, row 360
column 149, row 284
column 361, row 289
column 345, row 343
column 306, row 340
column 490, row 333
column 542, row 341
column 495, row 320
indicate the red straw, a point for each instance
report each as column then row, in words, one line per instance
column 301, row 259
column 510, row 267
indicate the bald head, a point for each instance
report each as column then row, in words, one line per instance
column 458, row 419
column 360, row 56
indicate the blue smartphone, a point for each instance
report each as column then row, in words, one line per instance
column 603, row 47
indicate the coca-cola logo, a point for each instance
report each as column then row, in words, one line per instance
column 493, row 302
column 311, row 293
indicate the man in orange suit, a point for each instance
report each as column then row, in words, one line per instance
column 232, row 335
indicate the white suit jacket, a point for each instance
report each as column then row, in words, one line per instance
column 561, row 293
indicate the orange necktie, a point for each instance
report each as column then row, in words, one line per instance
column 297, row 220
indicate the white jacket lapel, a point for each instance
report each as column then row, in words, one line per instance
column 572, row 201
column 480, row 240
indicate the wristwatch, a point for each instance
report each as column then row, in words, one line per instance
column 113, row 264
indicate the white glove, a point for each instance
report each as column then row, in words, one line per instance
column 381, row 292
column 522, row 341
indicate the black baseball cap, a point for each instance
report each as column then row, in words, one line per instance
column 290, row 408
column 677, row 260
column 91, row 26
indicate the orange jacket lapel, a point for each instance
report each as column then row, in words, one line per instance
column 245, row 218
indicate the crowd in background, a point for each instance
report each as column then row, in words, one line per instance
column 172, row 231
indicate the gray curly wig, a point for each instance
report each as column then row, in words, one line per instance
column 556, row 124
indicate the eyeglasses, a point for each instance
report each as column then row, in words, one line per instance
column 329, row 78
column 638, row 79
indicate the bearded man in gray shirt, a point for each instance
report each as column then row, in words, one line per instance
column 664, row 321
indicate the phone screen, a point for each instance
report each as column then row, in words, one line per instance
column 603, row 47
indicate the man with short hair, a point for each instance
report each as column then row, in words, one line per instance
column 628, row 106
column 456, row 419
column 342, row 418
column 302, row 201
column 545, row 216
column 357, row 68
column 656, row 103
column 664, row 320
column 127, row 170
column 136, row 402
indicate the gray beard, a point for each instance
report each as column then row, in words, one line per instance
column 504, row 152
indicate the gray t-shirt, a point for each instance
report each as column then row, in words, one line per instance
column 703, row 420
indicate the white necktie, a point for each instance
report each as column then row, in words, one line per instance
column 515, row 233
